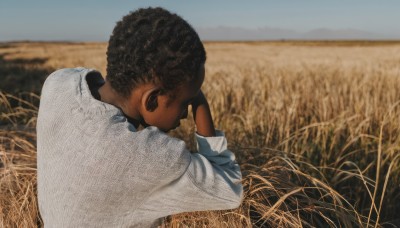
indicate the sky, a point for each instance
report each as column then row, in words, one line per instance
column 93, row 20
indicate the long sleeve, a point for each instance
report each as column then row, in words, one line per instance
column 96, row 170
column 212, row 181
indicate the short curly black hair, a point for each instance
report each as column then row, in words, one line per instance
column 153, row 45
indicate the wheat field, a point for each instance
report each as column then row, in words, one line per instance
column 314, row 125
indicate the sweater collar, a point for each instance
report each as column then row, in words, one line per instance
column 92, row 78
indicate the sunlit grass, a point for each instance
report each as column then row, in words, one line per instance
column 316, row 129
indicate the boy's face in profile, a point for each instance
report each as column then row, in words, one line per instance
column 170, row 110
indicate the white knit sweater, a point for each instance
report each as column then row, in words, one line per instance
column 96, row 170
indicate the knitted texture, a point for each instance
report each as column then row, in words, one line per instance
column 95, row 169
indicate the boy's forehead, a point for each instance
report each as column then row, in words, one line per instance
column 199, row 79
column 185, row 90
column 188, row 89
column 201, row 75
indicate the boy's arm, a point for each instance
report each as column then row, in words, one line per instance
column 212, row 181
column 202, row 116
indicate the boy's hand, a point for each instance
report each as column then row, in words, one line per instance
column 202, row 116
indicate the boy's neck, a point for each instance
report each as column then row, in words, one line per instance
column 108, row 95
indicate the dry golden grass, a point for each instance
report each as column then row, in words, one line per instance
column 315, row 127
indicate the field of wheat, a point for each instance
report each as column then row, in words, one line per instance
column 314, row 125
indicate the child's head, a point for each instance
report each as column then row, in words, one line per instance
column 155, row 47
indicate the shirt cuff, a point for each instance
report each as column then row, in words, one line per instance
column 215, row 148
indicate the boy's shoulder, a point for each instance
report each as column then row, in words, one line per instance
column 61, row 74
column 64, row 80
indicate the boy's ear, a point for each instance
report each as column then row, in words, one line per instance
column 151, row 102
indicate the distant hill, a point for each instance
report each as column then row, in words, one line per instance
column 267, row 33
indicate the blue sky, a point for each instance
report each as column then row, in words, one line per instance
column 86, row 20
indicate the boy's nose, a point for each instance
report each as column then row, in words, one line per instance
column 185, row 114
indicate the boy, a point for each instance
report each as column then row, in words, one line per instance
column 96, row 169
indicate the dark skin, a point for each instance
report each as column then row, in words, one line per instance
column 202, row 116
column 147, row 106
